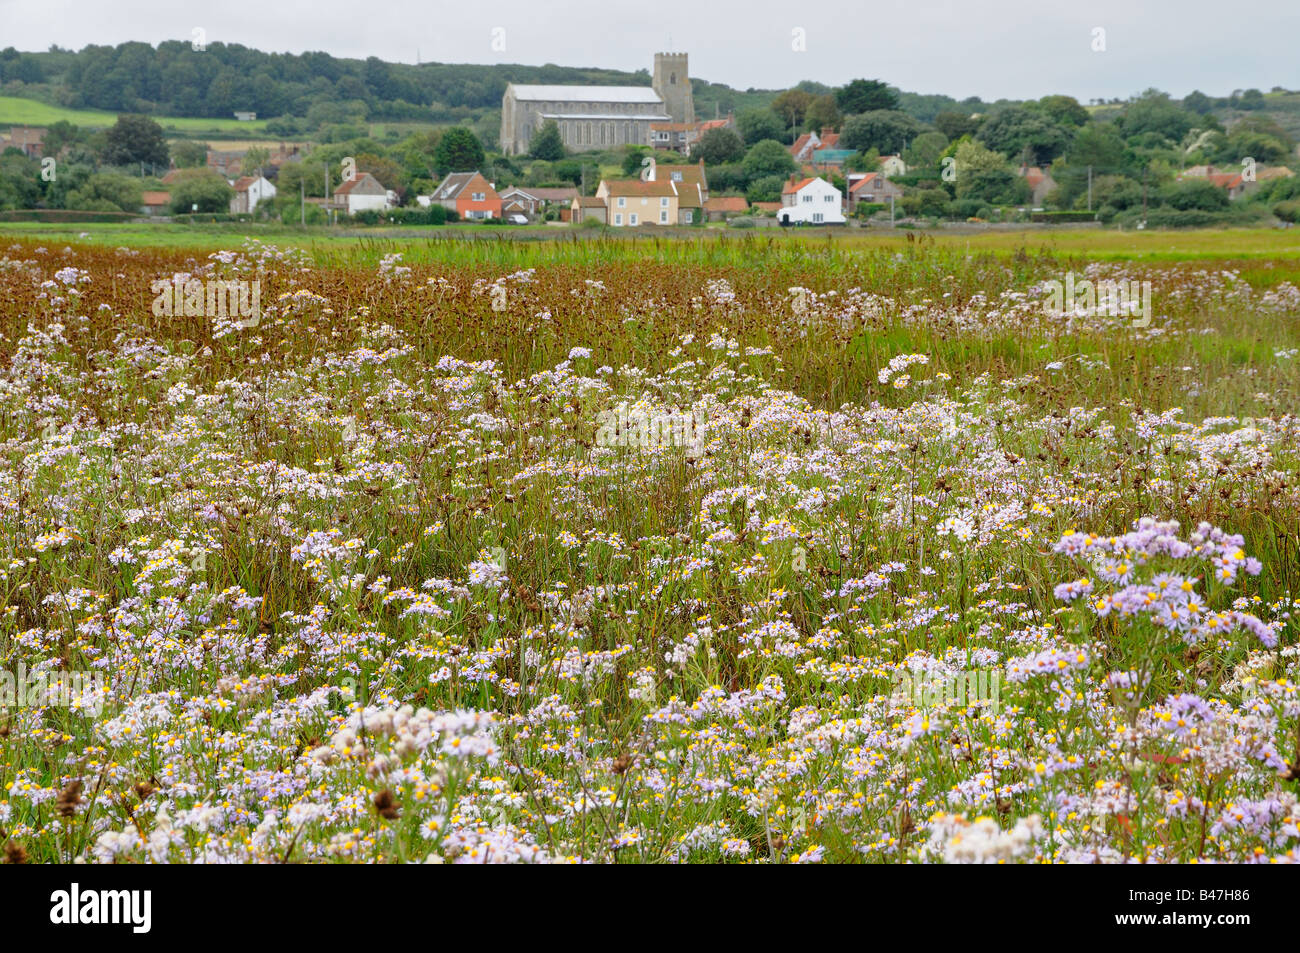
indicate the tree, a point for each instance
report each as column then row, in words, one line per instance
column 1064, row 110
column 547, row 144
column 209, row 192
column 755, row 125
column 1194, row 194
column 1024, row 132
column 766, row 188
column 255, row 160
column 122, row 192
column 188, row 154
column 458, row 151
column 19, row 180
column 823, row 114
column 865, row 95
column 134, row 139
column 1154, row 112
column 718, row 146
column 954, row 125
column 60, row 134
column 885, row 130
column 924, row 151
column 768, row 157
column 632, row 157
column 792, row 107
column 1197, row 102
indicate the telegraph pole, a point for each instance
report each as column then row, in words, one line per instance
column 1089, row 188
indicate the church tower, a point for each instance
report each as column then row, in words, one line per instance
column 672, row 82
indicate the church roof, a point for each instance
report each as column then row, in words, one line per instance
column 587, row 94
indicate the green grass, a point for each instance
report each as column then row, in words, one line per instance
column 1273, row 249
column 16, row 111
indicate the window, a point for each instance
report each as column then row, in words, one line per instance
column 478, row 196
column 828, row 198
column 663, row 202
column 618, row 219
column 690, row 215
column 817, row 216
column 663, row 217
column 622, row 202
column 632, row 220
column 807, row 198
column 677, row 176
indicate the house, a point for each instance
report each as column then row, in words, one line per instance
column 891, row 166
column 681, row 136
column 810, row 202
column 806, row 145
column 29, row 140
column 872, row 188
column 156, row 203
column 469, row 195
column 769, row 208
column 226, row 163
column 249, row 191
column 363, row 192
column 632, row 202
column 172, row 177
column 1232, row 181
column 1040, row 183
column 534, row 201
column 722, row 207
column 588, row 208
column 669, row 195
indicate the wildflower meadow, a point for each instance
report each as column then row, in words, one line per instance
column 606, row 551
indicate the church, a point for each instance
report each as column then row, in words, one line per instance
column 598, row 117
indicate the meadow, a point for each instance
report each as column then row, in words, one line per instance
column 738, row 549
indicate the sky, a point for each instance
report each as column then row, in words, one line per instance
column 987, row 48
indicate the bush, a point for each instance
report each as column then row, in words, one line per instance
column 1063, row 216
column 741, row 221
column 1288, row 211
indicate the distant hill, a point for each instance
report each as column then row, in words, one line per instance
column 196, row 93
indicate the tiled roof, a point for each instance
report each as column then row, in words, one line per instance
column 372, row 186
column 727, row 203
column 626, row 187
column 587, row 94
column 156, row 198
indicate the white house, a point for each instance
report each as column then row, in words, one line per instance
column 810, row 202
column 360, row 193
column 249, row 191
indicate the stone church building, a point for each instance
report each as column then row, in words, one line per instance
column 598, row 117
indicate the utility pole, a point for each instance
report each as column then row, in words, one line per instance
column 1089, row 188
column 302, row 201
column 891, row 208
column 326, row 167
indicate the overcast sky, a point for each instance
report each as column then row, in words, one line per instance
column 986, row 48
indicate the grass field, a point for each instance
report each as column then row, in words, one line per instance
column 15, row 111
column 735, row 548
column 1278, row 246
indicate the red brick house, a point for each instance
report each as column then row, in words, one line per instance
column 469, row 195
